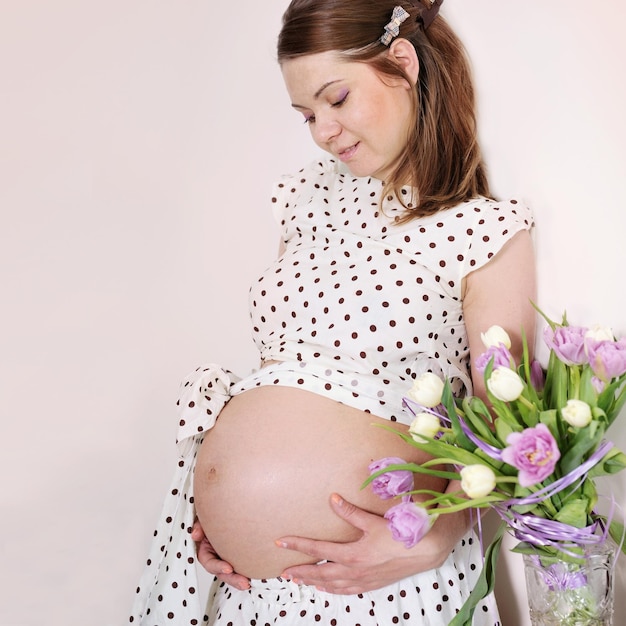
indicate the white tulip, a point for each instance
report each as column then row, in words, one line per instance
column 576, row 413
column 426, row 425
column 494, row 336
column 427, row 390
column 505, row 384
column 600, row 333
column 477, row 481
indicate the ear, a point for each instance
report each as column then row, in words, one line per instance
column 403, row 53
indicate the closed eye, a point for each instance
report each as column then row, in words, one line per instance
column 342, row 99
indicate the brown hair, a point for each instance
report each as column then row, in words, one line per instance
column 442, row 158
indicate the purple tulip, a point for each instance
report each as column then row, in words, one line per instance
column 537, row 375
column 533, row 452
column 393, row 483
column 408, row 522
column 500, row 355
column 607, row 358
column 568, row 343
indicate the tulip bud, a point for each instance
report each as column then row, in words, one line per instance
column 537, row 375
column 478, row 480
column 494, row 336
column 427, row 390
column 505, row 384
column 425, row 424
column 576, row 413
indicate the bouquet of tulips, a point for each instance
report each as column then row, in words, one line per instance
column 532, row 455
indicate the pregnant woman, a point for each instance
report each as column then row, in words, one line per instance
column 393, row 259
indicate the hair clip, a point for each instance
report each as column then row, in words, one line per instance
column 428, row 14
column 392, row 30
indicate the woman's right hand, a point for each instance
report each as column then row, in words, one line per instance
column 211, row 562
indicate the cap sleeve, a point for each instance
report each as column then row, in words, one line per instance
column 489, row 225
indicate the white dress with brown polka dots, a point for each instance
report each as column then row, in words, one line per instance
column 355, row 308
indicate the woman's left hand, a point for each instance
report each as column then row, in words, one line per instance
column 373, row 561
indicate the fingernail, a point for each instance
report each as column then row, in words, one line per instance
column 280, row 544
column 337, row 499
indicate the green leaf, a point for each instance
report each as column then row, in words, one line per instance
column 559, row 379
column 548, row 555
column 618, row 404
column 587, row 392
column 550, row 419
column 504, row 429
column 478, row 417
column 618, row 533
column 585, row 440
column 529, row 415
column 528, row 548
column 612, row 462
column 440, row 449
column 448, row 401
column 485, row 583
column 500, row 467
column 552, row 324
column 574, row 513
column 590, row 492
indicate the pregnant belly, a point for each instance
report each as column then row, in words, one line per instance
column 269, row 465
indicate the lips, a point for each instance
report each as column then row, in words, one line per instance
column 347, row 153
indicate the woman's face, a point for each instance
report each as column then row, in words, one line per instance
column 354, row 113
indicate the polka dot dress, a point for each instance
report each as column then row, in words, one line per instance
column 355, row 308
column 362, row 304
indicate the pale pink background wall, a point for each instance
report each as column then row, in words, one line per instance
column 138, row 142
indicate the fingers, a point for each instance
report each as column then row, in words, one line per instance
column 328, row 577
column 317, row 575
column 319, row 550
column 208, row 558
column 236, row 580
column 352, row 514
column 197, row 532
column 223, row 570
column 327, row 550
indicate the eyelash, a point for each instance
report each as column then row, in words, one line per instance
column 311, row 118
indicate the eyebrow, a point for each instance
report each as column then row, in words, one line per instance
column 319, row 92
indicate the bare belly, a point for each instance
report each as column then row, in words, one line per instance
column 268, row 467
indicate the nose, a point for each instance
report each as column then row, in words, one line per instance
column 326, row 128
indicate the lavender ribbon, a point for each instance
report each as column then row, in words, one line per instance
column 565, row 481
column 539, row 531
column 492, row 451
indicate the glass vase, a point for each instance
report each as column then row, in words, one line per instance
column 580, row 593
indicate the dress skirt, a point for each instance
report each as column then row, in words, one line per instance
column 428, row 599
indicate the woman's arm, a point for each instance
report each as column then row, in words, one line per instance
column 501, row 293
column 498, row 293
